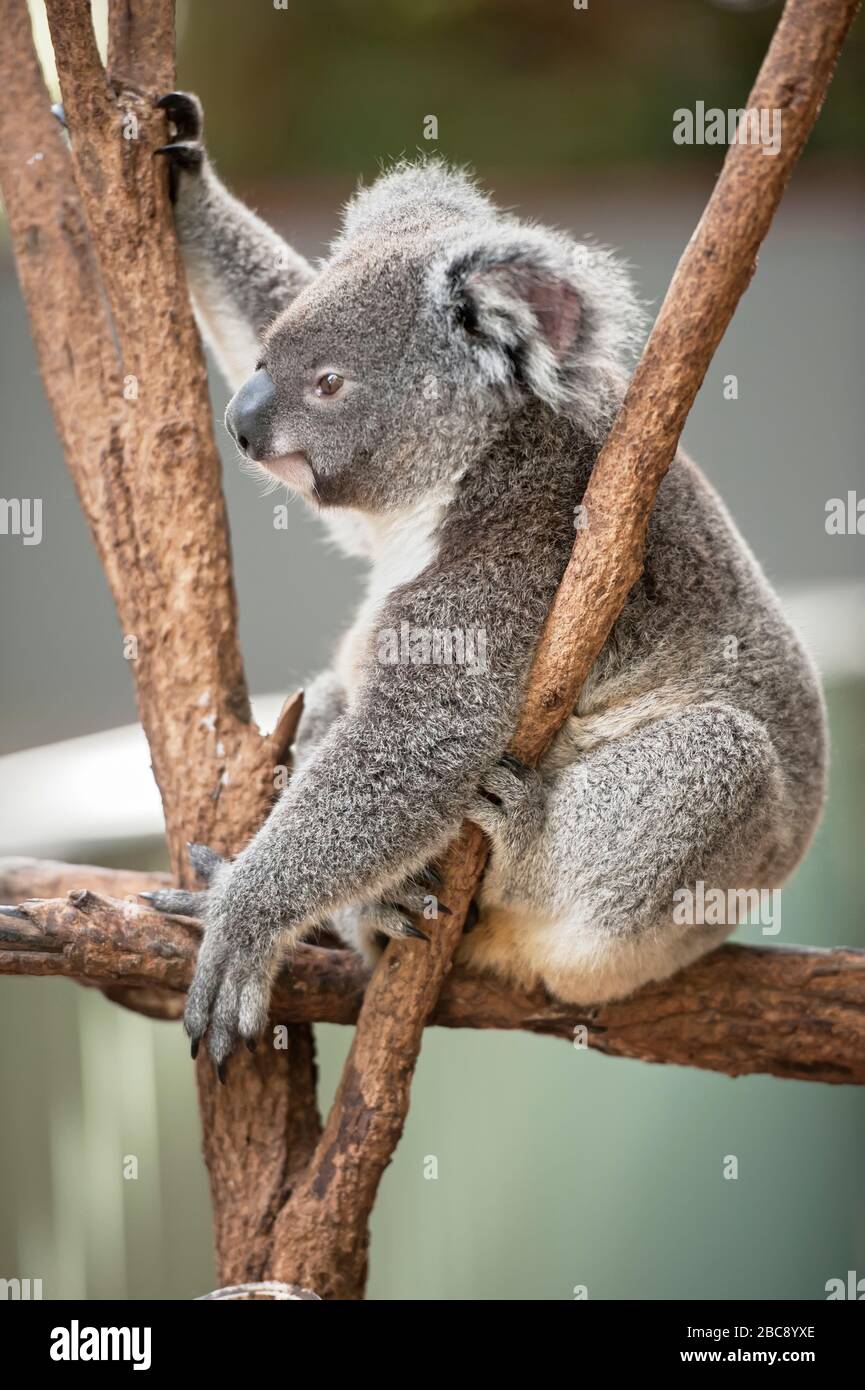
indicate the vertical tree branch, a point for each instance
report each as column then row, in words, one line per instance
column 141, row 44
column 121, row 360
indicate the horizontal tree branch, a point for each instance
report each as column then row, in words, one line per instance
column 789, row 1012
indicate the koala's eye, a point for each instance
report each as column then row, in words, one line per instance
column 328, row 384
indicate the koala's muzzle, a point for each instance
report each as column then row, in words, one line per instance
column 249, row 417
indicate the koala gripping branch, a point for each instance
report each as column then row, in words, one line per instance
column 793, row 1013
column 104, row 287
column 324, row 1228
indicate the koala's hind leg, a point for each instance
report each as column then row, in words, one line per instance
column 579, row 891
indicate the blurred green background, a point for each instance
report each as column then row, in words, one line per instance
column 556, row 1167
column 535, row 88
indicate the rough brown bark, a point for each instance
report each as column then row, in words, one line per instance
column 322, row 1238
column 789, row 1012
column 141, row 44
column 122, row 366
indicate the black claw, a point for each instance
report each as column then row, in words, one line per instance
column 193, row 1048
column 410, row 929
column 472, row 917
column 222, row 1070
column 515, row 765
column 252, row 1044
column 180, row 156
column 184, row 110
column 431, row 875
column 182, row 152
column 443, row 909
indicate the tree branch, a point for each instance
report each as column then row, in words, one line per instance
column 121, row 361
column 795, row 1013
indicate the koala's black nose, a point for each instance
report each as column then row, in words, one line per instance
column 249, row 417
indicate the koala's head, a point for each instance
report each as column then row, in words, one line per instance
column 434, row 319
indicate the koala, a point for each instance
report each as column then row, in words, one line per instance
column 437, row 389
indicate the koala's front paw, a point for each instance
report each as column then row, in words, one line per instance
column 229, row 996
column 230, row 992
column 186, row 152
column 184, row 902
column 509, row 805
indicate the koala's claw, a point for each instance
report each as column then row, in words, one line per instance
column 413, row 895
column 228, row 1001
column 429, row 877
column 385, row 921
column 185, row 112
column 182, row 156
column 516, row 766
column 185, row 153
column 176, row 902
column 184, row 902
column 409, row 929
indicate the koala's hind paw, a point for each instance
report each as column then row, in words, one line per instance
column 186, row 152
column 509, row 805
column 418, row 894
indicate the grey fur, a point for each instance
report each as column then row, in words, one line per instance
column 483, row 360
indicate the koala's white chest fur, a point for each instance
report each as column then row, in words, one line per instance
column 400, row 545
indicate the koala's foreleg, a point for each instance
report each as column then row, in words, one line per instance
column 579, row 893
column 241, row 274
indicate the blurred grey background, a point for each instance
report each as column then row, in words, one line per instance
column 556, row 1168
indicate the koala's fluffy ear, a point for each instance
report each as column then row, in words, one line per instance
column 537, row 311
column 522, row 311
